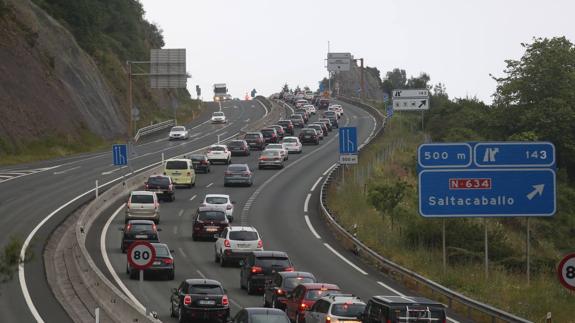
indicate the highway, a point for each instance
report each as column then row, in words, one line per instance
column 36, row 197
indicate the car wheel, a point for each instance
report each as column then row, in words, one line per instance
column 249, row 287
column 194, row 238
column 173, row 197
column 223, row 261
column 266, row 304
column 180, row 317
column 217, row 257
column 172, row 312
column 172, row 275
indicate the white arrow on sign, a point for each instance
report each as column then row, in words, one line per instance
column 538, row 189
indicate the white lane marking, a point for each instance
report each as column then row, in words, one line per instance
column 200, row 124
column 67, row 170
column 193, row 197
column 182, row 252
column 175, row 230
column 391, row 289
column 207, row 186
column 329, row 169
column 201, row 274
column 306, row 202
column 316, row 183
column 263, row 105
column 6, row 176
column 181, row 213
column 311, row 227
column 159, row 140
column 345, row 259
column 109, row 264
column 113, row 170
column 223, row 133
column 247, row 120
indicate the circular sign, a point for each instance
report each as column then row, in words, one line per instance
column 566, row 271
column 141, row 255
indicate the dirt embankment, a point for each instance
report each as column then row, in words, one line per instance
column 350, row 81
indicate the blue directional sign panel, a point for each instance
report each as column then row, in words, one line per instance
column 487, row 179
column 120, row 155
column 348, row 140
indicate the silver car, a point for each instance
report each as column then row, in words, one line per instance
column 143, row 205
column 271, row 158
column 238, row 174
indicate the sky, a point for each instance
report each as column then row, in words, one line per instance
column 263, row 44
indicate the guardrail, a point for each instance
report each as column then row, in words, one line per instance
column 154, row 128
column 408, row 277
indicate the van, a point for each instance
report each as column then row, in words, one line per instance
column 142, row 205
column 181, row 170
column 395, row 309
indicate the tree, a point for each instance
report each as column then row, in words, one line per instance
column 10, row 259
column 396, row 79
column 419, row 82
column 386, row 197
column 306, row 88
column 285, row 88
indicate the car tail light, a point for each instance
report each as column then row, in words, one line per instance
column 302, row 306
column 146, row 186
column 229, row 207
column 209, row 150
column 256, row 269
column 227, row 243
column 279, row 291
column 171, row 187
column 225, row 300
column 168, row 261
column 203, row 204
column 129, row 205
column 187, row 300
column 327, row 319
column 277, row 158
column 203, row 162
column 288, row 269
column 227, row 173
column 246, row 174
column 259, row 140
column 263, row 158
column 189, row 174
column 128, row 227
column 260, row 244
column 154, row 227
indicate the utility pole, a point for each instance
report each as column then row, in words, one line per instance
column 362, row 96
column 130, row 104
column 328, row 72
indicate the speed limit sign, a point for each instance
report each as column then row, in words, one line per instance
column 566, row 271
column 141, row 255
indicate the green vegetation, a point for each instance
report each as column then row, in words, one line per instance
column 10, row 259
column 378, row 199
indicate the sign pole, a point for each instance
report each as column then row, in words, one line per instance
column 486, row 250
column 444, row 251
column 527, row 245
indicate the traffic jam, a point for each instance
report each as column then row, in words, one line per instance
column 289, row 293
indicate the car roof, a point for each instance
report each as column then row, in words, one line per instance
column 319, row 286
column 209, row 208
column 178, row 159
column 291, row 137
column 242, row 228
column 267, row 253
column 217, row 195
column 140, row 222
column 337, row 298
column 159, row 175
column 405, row 300
column 142, row 193
column 264, row 310
column 219, row 145
column 286, row 274
column 201, row 281
column 245, row 165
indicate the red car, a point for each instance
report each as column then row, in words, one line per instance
column 209, row 222
column 304, row 296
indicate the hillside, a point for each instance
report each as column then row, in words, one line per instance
column 349, row 82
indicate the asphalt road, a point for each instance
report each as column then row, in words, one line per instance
column 39, row 193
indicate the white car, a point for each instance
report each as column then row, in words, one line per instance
column 235, row 243
column 292, row 144
column 219, row 117
column 335, row 308
column 337, row 109
column 281, row 147
column 219, row 153
column 220, row 201
column 179, row 132
column 310, row 108
column 300, row 103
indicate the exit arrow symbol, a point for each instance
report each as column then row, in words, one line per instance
column 538, row 189
column 422, row 103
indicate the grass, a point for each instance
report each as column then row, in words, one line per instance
column 415, row 242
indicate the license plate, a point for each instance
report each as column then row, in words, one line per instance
column 211, row 229
column 141, row 236
column 243, row 245
column 177, row 173
column 206, row 302
column 157, row 263
column 307, row 136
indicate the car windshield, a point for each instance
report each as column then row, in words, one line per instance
column 292, row 282
column 290, row 140
column 268, row 318
column 272, row 262
column 216, row 200
column 211, row 216
column 217, row 148
column 347, row 310
column 142, row 198
column 317, row 294
column 178, row 129
column 176, row 164
column 243, row 235
column 162, row 251
column 237, row 168
column 159, row 180
column 140, row 227
column 205, row 289
column 416, row 312
column 309, row 132
column 270, row 153
column 218, row 114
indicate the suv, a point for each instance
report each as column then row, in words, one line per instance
column 200, row 299
column 304, row 296
column 283, row 283
column 163, row 263
column 279, row 129
column 162, row 186
column 209, row 222
column 138, row 230
column 335, row 308
column 238, row 174
column 297, row 120
column 222, row 202
column 309, row 135
column 287, row 125
column 259, row 266
column 142, row 205
column 259, row 315
column 255, row 140
column 219, row 153
column 382, row 309
column 239, row 147
column 235, row 243
column 270, row 135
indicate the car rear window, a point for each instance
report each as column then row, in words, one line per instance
column 216, row 200
column 137, row 227
column 243, row 235
column 211, row 216
column 290, row 140
column 315, row 294
column 162, row 251
column 309, row 131
column 252, row 136
column 206, row 289
column 270, row 153
column 142, row 199
column 268, row 318
column 236, row 144
column 292, row 282
column 160, row 180
column 198, row 157
column 176, row 164
column 272, row 262
column 217, row 148
column 238, row 168
column 417, row 313
column 347, row 310
column 274, row 146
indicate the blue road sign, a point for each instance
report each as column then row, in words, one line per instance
column 321, row 87
column 390, row 111
column 487, row 192
column 120, row 154
column 348, row 140
column 444, row 155
column 514, row 154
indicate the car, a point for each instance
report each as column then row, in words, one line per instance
column 324, row 129
column 219, row 117
column 235, row 243
column 281, row 147
column 181, row 171
column 239, row 147
column 323, row 103
column 178, row 132
column 304, row 296
column 209, row 222
column 259, row 267
column 200, row 163
column 279, row 129
column 326, row 122
column 142, row 205
column 308, row 95
column 310, row 108
column 220, row 201
column 281, row 284
column 297, row 120
column 318, row 129
column 161, row 185
column 219, row 153
column 309, row 135
column 335, row 308
column 238, row 174
column 134, row 230
column 270, row 135
column 255, row 140
column 271, row 158
column 337, row 108
column 162, row 265
column 288, row 126
column 260, row 315
column 300, row 103
column 200, row 299
column 303, row 113
column 292, row 144
column 332, row 116
column 385, row 308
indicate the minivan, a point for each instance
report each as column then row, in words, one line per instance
column 181, row 171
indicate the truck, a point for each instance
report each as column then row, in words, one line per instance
column 221, row 92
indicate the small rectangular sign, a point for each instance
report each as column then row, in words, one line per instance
column 444, row 155
column 348, row 140
column 514, row 154
column 411, row 104
column 410, row 94
column 120, row 154
column 348, row 159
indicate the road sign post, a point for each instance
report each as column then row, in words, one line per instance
column 348, row 146
column 141, row 255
